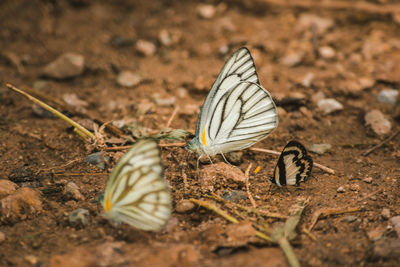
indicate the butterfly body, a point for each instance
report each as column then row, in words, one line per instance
column 294, row 165
column 237, row 112
column 136, row 193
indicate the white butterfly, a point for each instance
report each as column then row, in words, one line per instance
column 136, row 193
column 238, row 111
column 294, row 165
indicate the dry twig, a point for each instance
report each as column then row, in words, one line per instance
column 332, row 211
column 247, row 173
column 367, row 152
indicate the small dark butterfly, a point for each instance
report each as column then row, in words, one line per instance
column 294, row 165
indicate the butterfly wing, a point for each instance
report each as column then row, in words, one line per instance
column 294, row 165
column 238, row 111
column 136, row 193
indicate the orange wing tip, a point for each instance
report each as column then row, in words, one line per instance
column 203, row 138
column 257, row 169
column 108, row 205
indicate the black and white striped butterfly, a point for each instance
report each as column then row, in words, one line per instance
column 136, row 193
column 238, row 111
column 294, row 165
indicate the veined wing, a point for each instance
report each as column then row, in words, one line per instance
column 240, row 67
column 245, row 115
column 136, row 192
column 294, row 165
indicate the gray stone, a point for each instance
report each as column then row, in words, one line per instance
column 306, row 21
column 327, row 52
column 320, row 148
column 388, row 96
column 206, row 11
column 395, row 221
column 385, row 213
column 184, row 206
column 146, row 48
column 71, row 191
column 291, row 59
column 350, row 218
column 79, row 217
column 341, row 189
column 329, row 105
column 97, row 159
column 377, row 121
column 68, row 65
column 128, row 79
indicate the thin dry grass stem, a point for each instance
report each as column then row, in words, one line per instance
column 331, row 211
column 367, row 152
column 256, row 211
column 80, row 173
column 181, row 144
column 119, row 148
column 363, row 6
column 215, row 209
column 57, row 167
column 226, row 216
column 247, row 173
column 172, row 117
column 309, row 234
column 370, row 194
column 322, row 167
column 54, row 111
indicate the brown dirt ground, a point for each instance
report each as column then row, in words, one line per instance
column 36, row 32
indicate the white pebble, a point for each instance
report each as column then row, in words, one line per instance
column 329, row 105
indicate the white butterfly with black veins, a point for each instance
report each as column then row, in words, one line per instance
column 136, row 193
column 238, row 111
column 294, row 165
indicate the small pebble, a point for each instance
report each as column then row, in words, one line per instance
column 7, row 188
column 128, row 79
column 206, row 11
column 341, row 189
column 98, row 160
column 375, row 234
column 71, row 191
column 68, row 65
column 166, row 101
column 320, row 148
column 146, row 48
column 74, row 101
column 31, row 259
column 377, row 121
column 327, row 52
column 321, row 24
column 385, row 213
column 184, row 206
column 2, row 237
column 292, row 59
column 234, row 157
column 308, row 79
column 329, row 105
column 395, row 221
column 350, row 218
column 388, row 96
column 40, row 84
column 79, row 217
column 367, row 180
column 354, row 187
column 234, row 196
column 41, row 112
column 317, row 97
column 168, row 38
